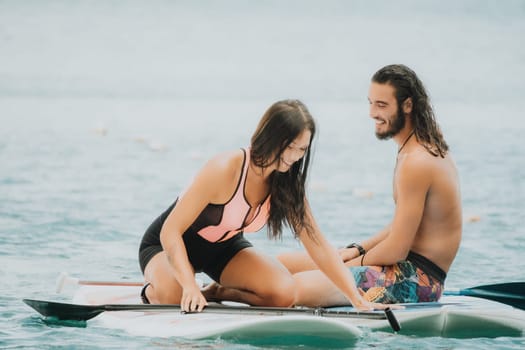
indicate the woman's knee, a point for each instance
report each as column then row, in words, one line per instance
column 163, row 288
column 281, row 292
column 161, row 293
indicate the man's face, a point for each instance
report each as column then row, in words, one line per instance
column 388, row 116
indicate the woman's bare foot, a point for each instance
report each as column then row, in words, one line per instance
column 211, row 291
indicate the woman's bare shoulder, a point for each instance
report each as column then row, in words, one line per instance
column 225, row 162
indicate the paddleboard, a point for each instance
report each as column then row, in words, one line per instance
column 453, row 316
column 250, row 328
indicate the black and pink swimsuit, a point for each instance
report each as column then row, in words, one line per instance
column 216, row 235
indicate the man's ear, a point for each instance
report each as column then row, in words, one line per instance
column 407, row 105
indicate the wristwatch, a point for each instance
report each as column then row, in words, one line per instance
column 361, row 250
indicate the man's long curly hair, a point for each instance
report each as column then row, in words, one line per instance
column 280, row 125
column 407, row 85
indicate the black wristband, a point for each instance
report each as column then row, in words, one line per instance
column 361, row 250
column 362, row 258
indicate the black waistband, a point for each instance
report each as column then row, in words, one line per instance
column 427, row 266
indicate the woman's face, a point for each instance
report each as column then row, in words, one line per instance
column 295, row 151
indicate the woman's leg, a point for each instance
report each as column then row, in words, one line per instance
column 297, row 262
column 314, row 289
column 398, row 283
column 255, row 279
column 163, row 287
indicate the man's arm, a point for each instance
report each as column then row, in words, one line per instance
column 413, row 179
column 348, row 254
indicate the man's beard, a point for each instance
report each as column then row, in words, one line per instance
column 397, row 125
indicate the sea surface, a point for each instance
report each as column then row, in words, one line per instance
column 108, row 108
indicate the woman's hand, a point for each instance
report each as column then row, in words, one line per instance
column 364, row 305
column 192, row 299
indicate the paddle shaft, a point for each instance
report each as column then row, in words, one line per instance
column 64, row 279
column 109, row 283
column 77, row 312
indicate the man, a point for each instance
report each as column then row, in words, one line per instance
column 408, row 260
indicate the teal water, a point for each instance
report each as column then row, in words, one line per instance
column 108, row 108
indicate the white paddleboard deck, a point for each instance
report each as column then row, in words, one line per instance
column 261, row 329
column 457, row 317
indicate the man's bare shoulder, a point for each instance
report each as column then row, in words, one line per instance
column 420, row 168
column 415, row 164
column 421, row 161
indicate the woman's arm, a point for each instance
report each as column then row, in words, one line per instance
column 301, row 261
column 330, row 263
column 211, row 185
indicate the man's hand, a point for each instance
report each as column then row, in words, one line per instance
column 348, row 254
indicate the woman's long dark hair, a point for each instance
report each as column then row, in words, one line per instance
column 280, row 125
column 407, row 85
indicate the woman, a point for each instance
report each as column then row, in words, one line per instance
column 237, row 192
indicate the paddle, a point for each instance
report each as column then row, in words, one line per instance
column 512, row 293
column 77, row 312
column 64, row 279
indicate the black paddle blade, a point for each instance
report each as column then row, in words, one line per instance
column 512, row 293
column 62, row 311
